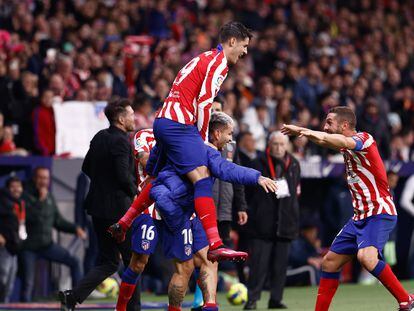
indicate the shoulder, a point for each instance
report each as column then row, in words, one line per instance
column 363, row 138
column 213, row 152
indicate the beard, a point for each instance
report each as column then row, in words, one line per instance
column 337, row 130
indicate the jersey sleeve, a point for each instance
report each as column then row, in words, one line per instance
column 363, row 140
column 228, row 171
column 215, row 75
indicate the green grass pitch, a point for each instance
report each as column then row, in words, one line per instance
column 349, row 297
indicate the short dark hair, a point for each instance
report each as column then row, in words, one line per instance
column 219, row 99
column 115, row 108
column 140, row 100
column 38, row 168
column 242, row 135
column 345, row 114
column 11, row 180
column 234, row 30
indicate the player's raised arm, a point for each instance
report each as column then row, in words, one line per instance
column 333, row 141
column 338, row 132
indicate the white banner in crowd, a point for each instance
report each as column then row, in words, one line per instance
column 76, row 124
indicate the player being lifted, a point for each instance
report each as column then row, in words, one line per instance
column 181, row 128
column 375, row 215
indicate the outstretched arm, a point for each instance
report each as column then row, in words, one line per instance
column 233, row 173
column 332, row 141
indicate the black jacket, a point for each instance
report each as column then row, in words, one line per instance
column 269, row 217
column 9, row 225
column 109, row 164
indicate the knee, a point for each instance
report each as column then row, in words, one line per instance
column 198, row 174
column 186, row 268
column 73, row 262
column 368, row 257
column 328, row 264
column 138, row 266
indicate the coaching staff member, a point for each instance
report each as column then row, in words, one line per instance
column 274, row 222
column 109, row 164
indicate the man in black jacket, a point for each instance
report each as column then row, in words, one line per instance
column 274, row 222
column 109, row 164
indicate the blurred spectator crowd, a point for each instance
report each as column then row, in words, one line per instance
column 306, row 57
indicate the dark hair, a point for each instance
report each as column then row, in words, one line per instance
column 115, row 108
column 38, row 168
column 345, row 114
column 234, row 30
column 242, row 135
column 140, row 100
column 11, row 180
column 219, row 99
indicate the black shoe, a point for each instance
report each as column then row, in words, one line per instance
column 68, row 302
column 250, row 305
column 273, row 304
column 197, row 308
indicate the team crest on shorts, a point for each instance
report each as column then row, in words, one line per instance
column 187, row 250
column 145, row 245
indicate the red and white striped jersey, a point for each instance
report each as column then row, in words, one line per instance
column 367, row 179
column 144, row 141
column 194, row 89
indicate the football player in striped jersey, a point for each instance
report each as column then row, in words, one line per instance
column 375, row 216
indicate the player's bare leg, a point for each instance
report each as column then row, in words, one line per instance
column 206, row 211
column 332, row 264
column 179, row 283
column 129, row 279
column 208, row 278
column 368, row 257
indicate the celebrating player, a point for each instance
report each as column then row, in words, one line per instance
column 145, row 227
column 181, row 128
column 175, row 195
column 375, row 215
column 147, row 230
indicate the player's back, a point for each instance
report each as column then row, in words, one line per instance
column 199, row 79
column 144, row 141
column 367, row 179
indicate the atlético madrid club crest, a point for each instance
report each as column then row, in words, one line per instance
column 145, row 245
column 187, row 250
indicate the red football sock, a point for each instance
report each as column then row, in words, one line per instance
column 171, row 308
column 326, row 291
column 210, row 306
column 206, row 212
column 390, row 281
column 125, row 293
column 140, row 204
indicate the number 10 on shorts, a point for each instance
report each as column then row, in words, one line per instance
column 188, row 236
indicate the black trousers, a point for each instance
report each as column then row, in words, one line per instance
column 107, row 263
column 268, row 259
column 224, row 228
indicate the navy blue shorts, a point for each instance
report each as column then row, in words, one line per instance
column 145, row 234
column 183, row 243
column 179, row 144
column 372, row 231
